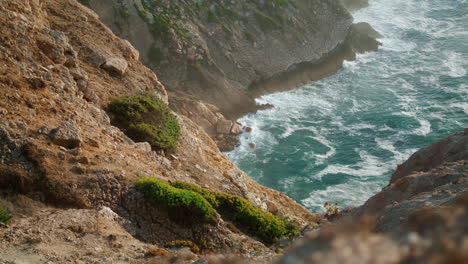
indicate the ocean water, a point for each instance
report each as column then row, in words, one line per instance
column 340, row 139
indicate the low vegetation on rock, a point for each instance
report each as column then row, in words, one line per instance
column 146, row 118
column 183, row 243
column 266, row 226
column 5, row 216
column 182, row 204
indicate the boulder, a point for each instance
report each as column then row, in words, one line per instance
column 116, row 65
column 236, row 129
column 79, row 74
column 131, row 52
column 223, row 126
column 68, row 135
column 144, row 146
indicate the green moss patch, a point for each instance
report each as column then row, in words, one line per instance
column 145, row 117
column 182, row 204
column 5, row 216
column 183, row 243
column 266, row 226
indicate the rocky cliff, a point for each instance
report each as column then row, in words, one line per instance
column 60, row 66
column 226, row 53
column 420, row 217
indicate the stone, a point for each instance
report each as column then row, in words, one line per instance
column 115, row 65
column 36, row 83
column 145, row 146
column 79, row 74
column 131, row 52
column 68, row 135
column 236, row 129
column 248, row 129
column 252, row 145
column 78, row 169
column 83, row 160
column 98, row 58
column 223, row 126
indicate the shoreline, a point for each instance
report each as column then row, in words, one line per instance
column 358, row 41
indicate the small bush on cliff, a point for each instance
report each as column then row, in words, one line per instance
column 183, row 204
column 266, row 226
column 183, row 243
column 5, row 216
column 147, row 118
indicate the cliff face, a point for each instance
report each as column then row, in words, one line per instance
column 59, row 67
column 226, row 53
column 217, row 50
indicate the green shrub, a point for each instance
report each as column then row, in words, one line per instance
column 155, row 54
column 183, row 204
column 145, row 117
column 251, row 37
column 266, row 226
column 266, row 22
column 5, row 216
column 183, row 243
column 226, row 29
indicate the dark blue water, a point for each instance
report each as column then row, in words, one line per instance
column 339, row 139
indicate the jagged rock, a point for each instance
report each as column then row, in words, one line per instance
column 236, row 129
column 79, row 74
column 450, row 149
column 362, row 38
column 223, row 126
column 116, row 65
column 132, row 53
column 98, row 58
column 67, row 135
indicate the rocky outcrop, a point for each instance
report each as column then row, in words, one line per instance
column 58, row 147
column 421, row 216
column 227, row 53
column 223, row 131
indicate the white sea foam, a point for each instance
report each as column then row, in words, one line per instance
column 347, row 194
column 455, row 63
column 368, row 166
column 462, row 105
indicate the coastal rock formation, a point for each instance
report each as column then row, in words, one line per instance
column 58, row 147
column 421, row 216
column 221, row 53
column 354, row 5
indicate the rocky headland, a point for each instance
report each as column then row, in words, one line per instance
column 227, row 53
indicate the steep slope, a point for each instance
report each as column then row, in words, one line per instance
column 60, row 66
column 226, row 53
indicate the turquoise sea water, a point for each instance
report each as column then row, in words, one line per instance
column 339, row 139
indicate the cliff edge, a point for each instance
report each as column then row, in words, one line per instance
column 67, row 174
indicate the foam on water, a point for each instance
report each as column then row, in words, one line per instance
column 339, row 139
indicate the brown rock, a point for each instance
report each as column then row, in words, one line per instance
column 68, row 135
column 223, row 126
column 236, row 129
column 116, row 65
